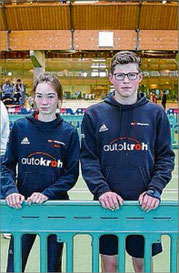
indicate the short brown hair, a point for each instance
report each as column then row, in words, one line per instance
column 125, row 57
column 52, row 79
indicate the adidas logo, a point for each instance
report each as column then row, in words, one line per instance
column 103, row 128
column 25, row 141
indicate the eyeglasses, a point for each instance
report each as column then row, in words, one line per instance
column 131, row 76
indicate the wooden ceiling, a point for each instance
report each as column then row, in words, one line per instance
column 47, row 21
column 51, row 26
column 144, row 15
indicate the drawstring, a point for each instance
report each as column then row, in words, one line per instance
column 128, row 127
column 128, row 124
column 120, row 114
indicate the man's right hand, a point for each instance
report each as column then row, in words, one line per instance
column 110, row 200
column 15, row 200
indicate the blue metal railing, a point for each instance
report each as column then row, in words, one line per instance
column 67, row 219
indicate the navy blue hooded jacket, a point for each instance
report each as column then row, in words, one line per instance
column 47, row 154
column 126, row 148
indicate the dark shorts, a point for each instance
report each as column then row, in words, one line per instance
column 134, row 246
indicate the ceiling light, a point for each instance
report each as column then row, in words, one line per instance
column 94, row 74
column 103, row 65
column 102, row 74
column 99, row 60
column 164, row 1
column 95, row 65
column 85, row 74
column 98, row 65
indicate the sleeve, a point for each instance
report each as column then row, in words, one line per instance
column 91, row 168
column 8, row 178
column 70, row 175
column 164, row 155
column 4, row 128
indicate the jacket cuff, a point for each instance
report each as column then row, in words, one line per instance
column 10, row 191
column 155, row 188
column 154, row 193
column 157, row 184
column 102, row 191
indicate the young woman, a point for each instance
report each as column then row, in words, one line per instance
column 46, row 150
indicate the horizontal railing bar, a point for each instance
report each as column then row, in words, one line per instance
column 89, row 203
column 88, row 216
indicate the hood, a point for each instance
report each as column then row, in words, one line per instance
column 141, row 100
column 45, row 125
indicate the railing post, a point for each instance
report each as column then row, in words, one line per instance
column 67, row 237
column 95, row 252
column 43, row 252
column 69, row 255
column 148, row 253
column 121, row 252
column 173, row 253
column 17, row 252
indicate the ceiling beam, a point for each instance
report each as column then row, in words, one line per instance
column 138, row 26
column 88, row 40
column 71, row 26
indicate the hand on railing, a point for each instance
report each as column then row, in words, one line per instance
column 15, row 200
column 147, row 202
column 110, row 200
column 37, row 198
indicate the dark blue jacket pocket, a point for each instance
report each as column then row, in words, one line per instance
column 35, row 182
column 128, row 181
column 146, row 176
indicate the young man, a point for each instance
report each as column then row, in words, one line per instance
column 46, row 150
column 126, row 153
